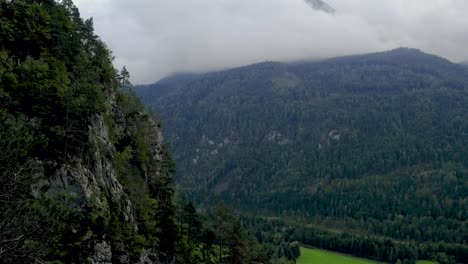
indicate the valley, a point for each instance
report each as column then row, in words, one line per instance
column 350, row 159
column 371, row 144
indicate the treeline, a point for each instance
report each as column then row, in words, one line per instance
column 219, row 236
column 358, row 244
column 425, row 204
column 382, row 249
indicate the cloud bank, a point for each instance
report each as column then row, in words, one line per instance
column 155, row 38
column 320, row 5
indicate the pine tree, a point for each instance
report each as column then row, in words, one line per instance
column 237, row 244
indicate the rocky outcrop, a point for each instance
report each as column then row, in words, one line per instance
column 102, row 254
column 92, row 178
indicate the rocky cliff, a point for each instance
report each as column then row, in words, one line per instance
column 72, row 129
column 93, row 179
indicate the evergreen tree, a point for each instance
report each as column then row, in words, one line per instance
column 237, row 244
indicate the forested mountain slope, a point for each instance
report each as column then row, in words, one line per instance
column 375, row 143
column 85, row 176
column 85, row 173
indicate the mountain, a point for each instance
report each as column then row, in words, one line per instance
column 85, row 173
column 373, row 144
column 82, row 163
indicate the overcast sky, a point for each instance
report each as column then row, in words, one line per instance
column 155, row 38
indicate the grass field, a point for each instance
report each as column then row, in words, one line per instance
column 318, row 256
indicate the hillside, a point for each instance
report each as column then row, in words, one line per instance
column 86, row 175
column 374, row 143
column 82, row 163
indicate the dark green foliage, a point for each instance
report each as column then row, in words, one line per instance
column 288, row 235
column 382, row 249
column 207, row 240
column 69, row 229
column 166, row 229
column 237, row 244
column 374, row 143
column 28, row 221
column 147, row 181
column 245, row 240
column 190, row 233
column 54, row 73
column 219, row 236
column 56, row 77
column 49, row 76
column 270, row 241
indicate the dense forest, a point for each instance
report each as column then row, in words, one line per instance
column 85, row 174
column 370, row 148
column 364, row 155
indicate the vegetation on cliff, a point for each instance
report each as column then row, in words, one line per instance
column 85, row 174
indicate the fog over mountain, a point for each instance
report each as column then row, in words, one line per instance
column 154, row 38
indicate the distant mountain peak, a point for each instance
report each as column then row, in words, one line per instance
column 416, row 53
column 407, row 50
column 400, row 56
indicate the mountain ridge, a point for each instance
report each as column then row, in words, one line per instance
column 305, row 140
column 397, row 55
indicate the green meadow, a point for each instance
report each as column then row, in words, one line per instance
column 318, row 256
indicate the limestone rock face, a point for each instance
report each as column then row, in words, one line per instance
column 102, row 254
column 92, row 178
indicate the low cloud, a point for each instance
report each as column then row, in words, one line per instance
column 320, row 5
column 154, row 38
